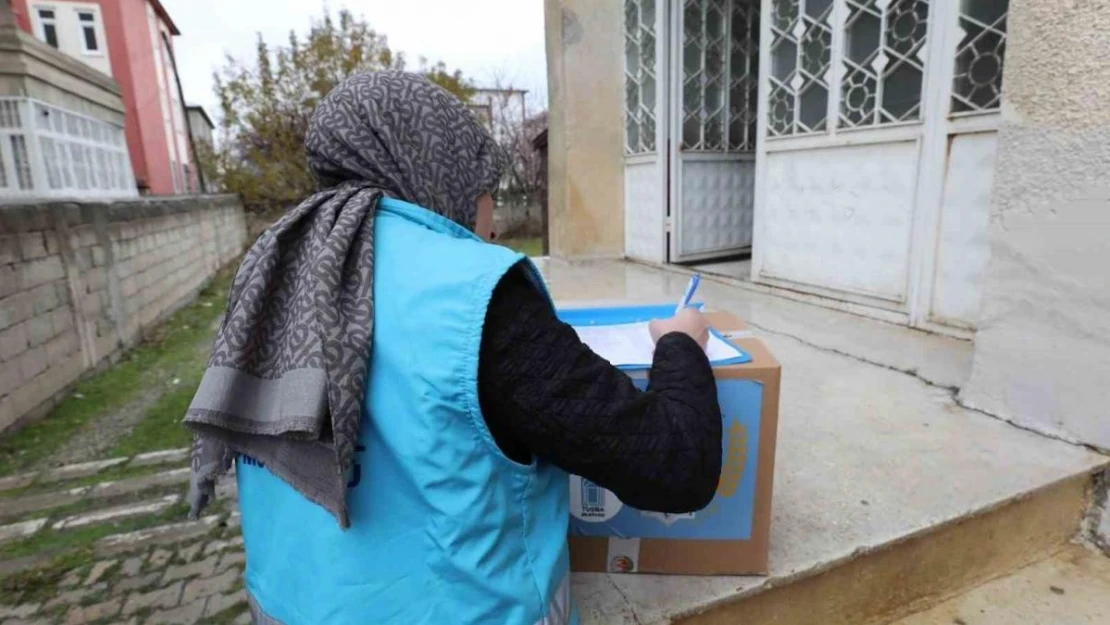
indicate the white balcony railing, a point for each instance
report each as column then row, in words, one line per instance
column 50, row 152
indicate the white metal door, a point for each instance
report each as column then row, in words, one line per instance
column 951, row 278
column 860, row 150
column 645, row 163
column 714, row 63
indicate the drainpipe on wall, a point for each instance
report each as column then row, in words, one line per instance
column 185, row 113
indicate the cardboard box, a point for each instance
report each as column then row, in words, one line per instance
column 729, row 537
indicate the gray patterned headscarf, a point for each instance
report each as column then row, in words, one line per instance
column 286, row 378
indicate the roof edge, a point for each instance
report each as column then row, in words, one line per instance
column 161, row 11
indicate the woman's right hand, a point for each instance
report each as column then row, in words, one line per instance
column 688, row 321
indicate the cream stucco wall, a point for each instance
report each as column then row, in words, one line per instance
column 1042, row 352
column 69, row 30
column 585, row 134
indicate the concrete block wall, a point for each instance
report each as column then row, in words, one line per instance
column 79, row 282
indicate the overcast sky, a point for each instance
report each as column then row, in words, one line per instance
column 483, row 38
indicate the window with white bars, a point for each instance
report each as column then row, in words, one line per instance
column 46, row 151
column 640, row 113
column 801, row 52
column 89, row 42
column 10, row 114
column 884, row 61
column 977, row 79
column 743, row 76
column 719, row 69
column 868, row 56
column 22, row 161
column 47, row 26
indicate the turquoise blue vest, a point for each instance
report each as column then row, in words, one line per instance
column 445, row 529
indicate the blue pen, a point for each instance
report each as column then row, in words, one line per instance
column 689, row 294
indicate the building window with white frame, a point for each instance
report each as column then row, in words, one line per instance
column 90, row 44
column 48, row 26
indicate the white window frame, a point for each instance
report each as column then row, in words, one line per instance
column 41, row 22
column 175, row 172
column 95, row 25
column 60, row 153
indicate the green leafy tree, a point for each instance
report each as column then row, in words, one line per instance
column 266, row 105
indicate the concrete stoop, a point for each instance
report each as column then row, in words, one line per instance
column 878, row 585
column 870, row 585
column 889, row 497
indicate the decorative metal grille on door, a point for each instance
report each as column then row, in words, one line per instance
column 800, row 66
column 720, row 65
column 877, row 74
column 640, row 114
column 977, row 81
column 884, row 61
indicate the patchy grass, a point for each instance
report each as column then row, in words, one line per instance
column 167, row 353
column 528, row 247
column 161, row 428
column 41, row 583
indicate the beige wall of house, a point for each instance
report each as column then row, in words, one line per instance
column 1042, row 353
column 585, row 127
column 30, row 68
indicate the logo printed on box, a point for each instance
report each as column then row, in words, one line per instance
column 593, row 499
column 592, row 503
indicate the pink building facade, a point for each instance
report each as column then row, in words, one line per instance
column 131, row 41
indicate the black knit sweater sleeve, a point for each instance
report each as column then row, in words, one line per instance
column 545, row 394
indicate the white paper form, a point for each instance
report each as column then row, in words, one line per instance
column 630, row 344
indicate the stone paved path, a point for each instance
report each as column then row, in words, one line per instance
column 163, row 572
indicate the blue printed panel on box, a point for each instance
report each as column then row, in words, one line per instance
column 597, row 512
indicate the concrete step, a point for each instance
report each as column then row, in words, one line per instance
column 888, row 494
column 17, row 506
column 69, row 472
column 1070, row 588
column 116, row 513
column 159, row 536
column 836, row 561
column 103, row 503
column 166, row 535
column 23, row 530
